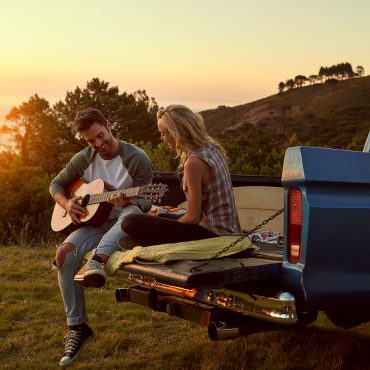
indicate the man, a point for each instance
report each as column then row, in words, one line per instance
column 120, row 165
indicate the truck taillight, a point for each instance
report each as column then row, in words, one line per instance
column 294, row 224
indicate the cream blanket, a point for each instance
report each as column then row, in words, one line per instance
column 165, row 253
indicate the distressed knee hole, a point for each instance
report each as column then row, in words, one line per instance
column 62, row 252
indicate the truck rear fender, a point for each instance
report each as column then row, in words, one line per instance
column 332, row 269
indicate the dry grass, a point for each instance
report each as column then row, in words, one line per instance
column 32, row 326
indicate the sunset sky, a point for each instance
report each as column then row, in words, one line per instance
column 201, row 53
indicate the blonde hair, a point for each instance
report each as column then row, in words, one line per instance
column 187, row 128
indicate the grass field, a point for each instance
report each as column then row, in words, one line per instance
column 127, row 336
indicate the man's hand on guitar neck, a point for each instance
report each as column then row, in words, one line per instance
column 119, row 200
column 71, row 206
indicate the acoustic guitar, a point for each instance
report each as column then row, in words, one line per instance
column 94, row 199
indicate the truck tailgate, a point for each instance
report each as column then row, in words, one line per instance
column 215, row 274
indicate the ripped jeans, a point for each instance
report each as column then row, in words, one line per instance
column 105, row 239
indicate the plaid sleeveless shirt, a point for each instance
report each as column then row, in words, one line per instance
column 218, row 205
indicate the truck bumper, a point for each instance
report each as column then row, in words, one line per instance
column 226, row 312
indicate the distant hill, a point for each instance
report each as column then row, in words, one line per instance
column 333, row 114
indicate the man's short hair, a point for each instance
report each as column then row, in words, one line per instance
column 87, row 117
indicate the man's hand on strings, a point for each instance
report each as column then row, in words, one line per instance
column 74, row 209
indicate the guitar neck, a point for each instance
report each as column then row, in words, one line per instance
column 103, row 197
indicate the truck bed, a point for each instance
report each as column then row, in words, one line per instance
column 264, row 264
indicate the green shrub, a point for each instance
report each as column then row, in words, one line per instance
column 26, row 203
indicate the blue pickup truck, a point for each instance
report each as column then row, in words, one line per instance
column 317, row 265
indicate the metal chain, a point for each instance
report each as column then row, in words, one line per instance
column 224, row 250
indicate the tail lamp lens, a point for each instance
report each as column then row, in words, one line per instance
column 295, row 225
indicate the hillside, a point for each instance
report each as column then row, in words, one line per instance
column 334, row 114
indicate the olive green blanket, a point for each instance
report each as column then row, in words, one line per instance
column 165, row 253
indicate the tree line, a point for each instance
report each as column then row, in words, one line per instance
column 339, row 71
column 41, row 140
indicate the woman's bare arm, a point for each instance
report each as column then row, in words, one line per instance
column 196, row 173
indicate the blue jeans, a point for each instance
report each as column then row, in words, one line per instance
column 105, row 239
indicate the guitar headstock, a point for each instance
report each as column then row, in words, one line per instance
column 154, row 192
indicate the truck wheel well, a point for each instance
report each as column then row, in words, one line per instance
column 346, row 320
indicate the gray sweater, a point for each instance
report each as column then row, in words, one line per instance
column 130, row 168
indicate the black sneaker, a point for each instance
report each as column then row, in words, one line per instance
column 75, row 340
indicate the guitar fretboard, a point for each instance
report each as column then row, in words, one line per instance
column 103, row 197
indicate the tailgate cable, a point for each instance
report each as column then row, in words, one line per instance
column 243, row 236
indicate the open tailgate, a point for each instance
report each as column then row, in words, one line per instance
column 216, row 274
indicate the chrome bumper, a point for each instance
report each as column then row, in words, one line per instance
column 280, row 309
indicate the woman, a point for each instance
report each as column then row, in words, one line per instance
column 206, row 182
